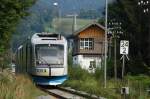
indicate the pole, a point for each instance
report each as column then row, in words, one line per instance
column 115, row 63
column 109, row 47
column 74, row 25
column 58, row 17
column 74, row 22
column 105, row 64
column 123, row 66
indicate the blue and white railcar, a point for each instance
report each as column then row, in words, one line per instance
column 45, row 58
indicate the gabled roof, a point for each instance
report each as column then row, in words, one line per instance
column 87, row 26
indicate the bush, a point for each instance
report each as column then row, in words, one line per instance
column 80, row 79
column 137, row 66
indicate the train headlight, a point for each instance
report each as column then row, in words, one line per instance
column 39, row 62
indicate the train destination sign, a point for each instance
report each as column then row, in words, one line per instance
column 124, row 47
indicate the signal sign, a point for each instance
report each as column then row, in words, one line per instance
column 124, row 47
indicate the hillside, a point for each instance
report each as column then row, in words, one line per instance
column 65, row 24
column 43, row 12
column 69, row 6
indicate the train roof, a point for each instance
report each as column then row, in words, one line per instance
column 46, row 37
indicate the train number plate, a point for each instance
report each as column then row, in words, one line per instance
column 42, row 71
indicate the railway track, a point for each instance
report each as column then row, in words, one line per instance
column 67, row 93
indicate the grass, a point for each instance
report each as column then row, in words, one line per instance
column 17, row 87
column 93, row 84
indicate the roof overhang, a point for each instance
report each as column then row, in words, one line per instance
column 87, row 26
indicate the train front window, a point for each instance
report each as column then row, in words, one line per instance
column 50, row 54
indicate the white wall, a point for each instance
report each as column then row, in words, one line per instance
column 84, row 62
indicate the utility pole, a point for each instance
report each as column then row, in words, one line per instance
column 115, row 58
column 105, row 62
column 115, row 30
column 74, row 25
column 58, row 11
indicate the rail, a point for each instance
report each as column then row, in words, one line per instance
column 67, row 93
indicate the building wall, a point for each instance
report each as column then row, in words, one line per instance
column 83, row 57
column 84, row 61
column 92, row 32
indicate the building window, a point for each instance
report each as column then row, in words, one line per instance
column 81, row 43
column 92, row 65
column 87, row 43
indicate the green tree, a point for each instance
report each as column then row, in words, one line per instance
column 135, row 25
column 10, row 14
column 39, row 20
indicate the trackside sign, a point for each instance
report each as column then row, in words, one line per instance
column 124, row 47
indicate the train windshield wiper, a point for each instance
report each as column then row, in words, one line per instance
column 42, row 59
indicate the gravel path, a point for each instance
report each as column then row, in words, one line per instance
column 46, row 97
